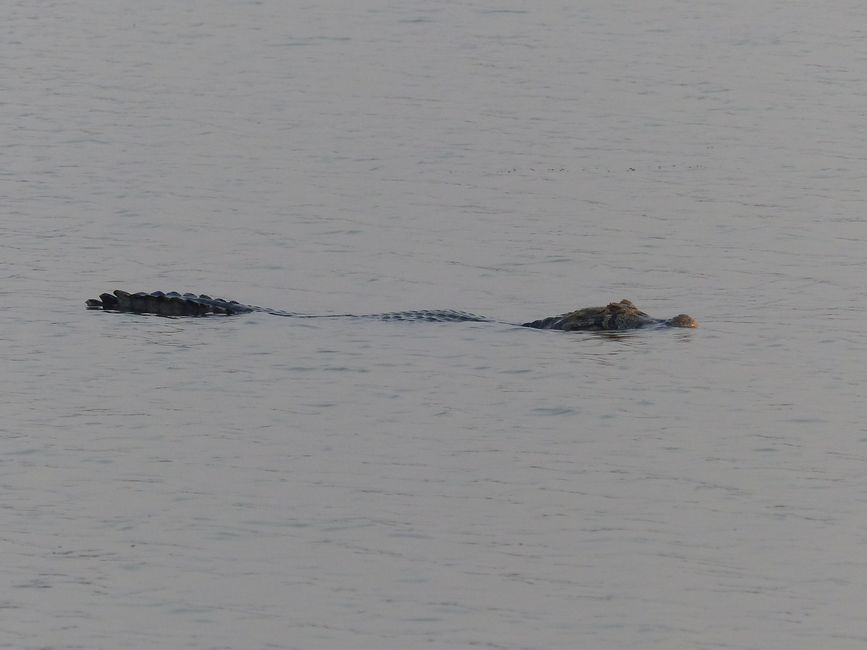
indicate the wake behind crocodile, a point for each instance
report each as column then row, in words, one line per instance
column 622, row 315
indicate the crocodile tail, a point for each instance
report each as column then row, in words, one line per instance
column 166, row 304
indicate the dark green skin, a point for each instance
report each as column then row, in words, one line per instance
column 621, row 315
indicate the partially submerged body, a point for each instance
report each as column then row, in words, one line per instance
column 621, row 315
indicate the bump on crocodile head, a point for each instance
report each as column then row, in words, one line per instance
column 683, row 320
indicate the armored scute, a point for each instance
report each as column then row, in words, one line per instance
column 621, row 315
column 167, row 304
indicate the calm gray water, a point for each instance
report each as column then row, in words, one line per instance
column 262, row 482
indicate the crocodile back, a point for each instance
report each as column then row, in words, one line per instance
column 430, row 316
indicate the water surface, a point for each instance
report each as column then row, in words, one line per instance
column 263, row 482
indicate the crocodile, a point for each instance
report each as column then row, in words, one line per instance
column 621, row 315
